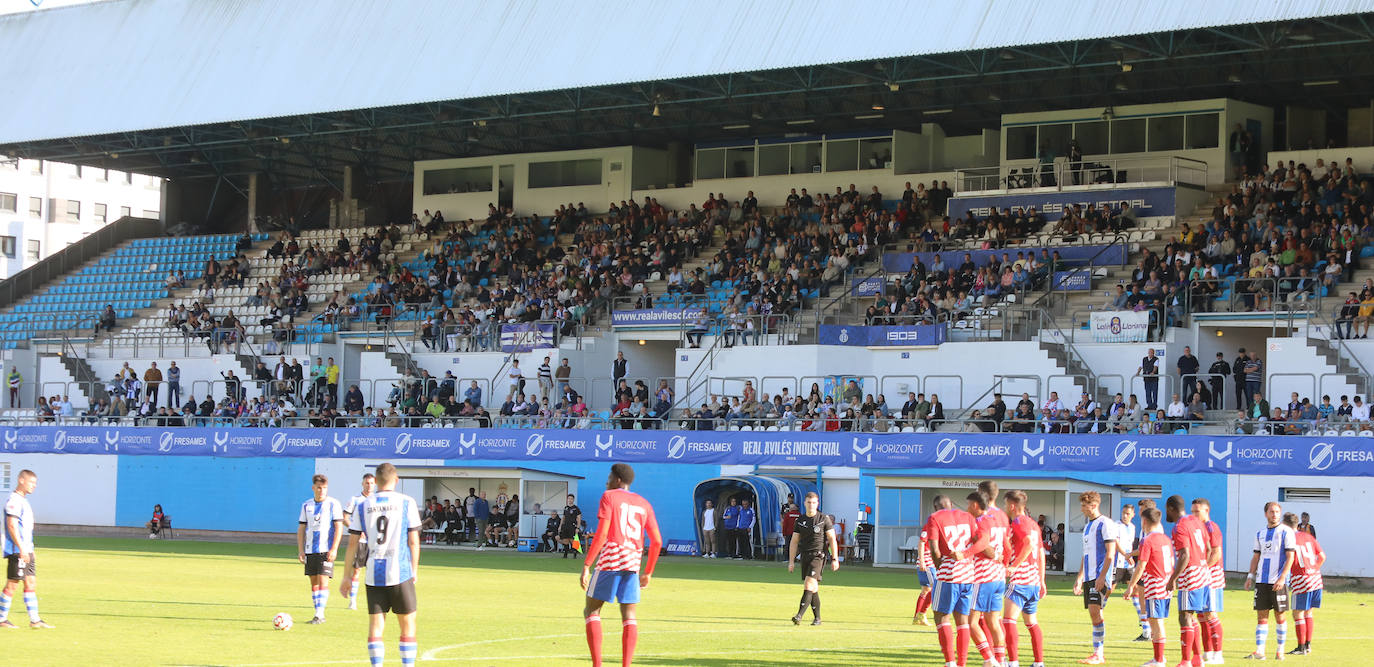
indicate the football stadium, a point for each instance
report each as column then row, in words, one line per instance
column 1022, row 333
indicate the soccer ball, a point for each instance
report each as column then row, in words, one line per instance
column 282, row 621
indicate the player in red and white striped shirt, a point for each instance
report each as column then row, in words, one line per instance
column 1209, row 618
column 989, row 578
column 1306, row 582
column 925, row 575
column 1026, row 565
column 955, row 539
column 623, row 518
column 1192, row 577
column 1152, row 579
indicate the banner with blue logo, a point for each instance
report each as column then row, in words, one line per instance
column 871, row 286
column 1147, row 202
column 1162, row 454
column 654, row 318
column 882, row 336
column 526, row 337
column 1113, row 255
column 1073, row 281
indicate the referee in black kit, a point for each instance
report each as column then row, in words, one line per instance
column 813, row 537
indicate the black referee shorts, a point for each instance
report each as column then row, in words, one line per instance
column 812, row 565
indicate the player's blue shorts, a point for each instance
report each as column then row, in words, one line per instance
column 987, row 596
column 1157, row 608
column 926, row 577
column 1308, row 600
column 614, row 586
column 1193, row 600
column 1214, row 600
column 1027, row 598
column 953, row 598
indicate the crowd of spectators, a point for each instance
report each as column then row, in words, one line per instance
column 1284, row 233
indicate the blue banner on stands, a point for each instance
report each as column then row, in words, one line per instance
column 654, row 318
column 526, row 337
column 682, row 547
column 1147, row 202
column 900, row 262
column 1162, row 454
column 871, row 286
column 1073, row 281
column 898, row 336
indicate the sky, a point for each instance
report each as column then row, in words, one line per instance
column 19, row 6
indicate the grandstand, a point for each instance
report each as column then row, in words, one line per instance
column 873, row 269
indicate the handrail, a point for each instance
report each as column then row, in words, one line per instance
column 1125, row 254
column 1349, row 354
column 69, row 258
column 847, row 281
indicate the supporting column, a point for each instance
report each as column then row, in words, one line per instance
column 253, row 203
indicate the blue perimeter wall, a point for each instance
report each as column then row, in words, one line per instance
column 264, row 494
column 211, row 493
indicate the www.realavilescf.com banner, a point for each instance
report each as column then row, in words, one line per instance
column 1162, row 454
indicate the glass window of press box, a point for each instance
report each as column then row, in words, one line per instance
column 565, row 173
column 458, row 180
column 1162, row 133
column 799, row 155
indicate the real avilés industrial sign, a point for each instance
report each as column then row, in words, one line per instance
column 1156, row 454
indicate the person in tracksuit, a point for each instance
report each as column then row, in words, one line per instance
column 747, row 518
column 730, row 521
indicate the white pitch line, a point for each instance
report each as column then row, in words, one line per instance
column 429, row 656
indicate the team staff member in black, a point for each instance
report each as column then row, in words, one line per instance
column 1219, row 371
column 1243, row 400
column 813, row 537
column 1149, row 371
column 567, row 530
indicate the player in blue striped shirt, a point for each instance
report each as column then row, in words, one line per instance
column 1275, row 545
column 1094, row 581
column 384, row 538
column 317, row 540
column 16, row 538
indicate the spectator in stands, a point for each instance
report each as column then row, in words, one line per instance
column 106, row 319
column 15, row 381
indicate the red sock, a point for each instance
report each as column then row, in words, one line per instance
column 1300, row 629
column 629, row 634
column 1214, row 629
column 1159, row 643
column 945, row 632
column 1185, row 638
column 923, row 601
column 983, row 625
column 984, row 650
column 1311, row 628
column 1009, row 637
column 961, row 637
column 594, row 638
column 1197, row 645
column 1205, row 636
column 1037, row 641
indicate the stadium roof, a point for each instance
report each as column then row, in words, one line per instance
column 222, row 88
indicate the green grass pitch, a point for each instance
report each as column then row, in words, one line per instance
column 140, row 602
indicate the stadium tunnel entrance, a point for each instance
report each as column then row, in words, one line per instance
column 765, row 492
